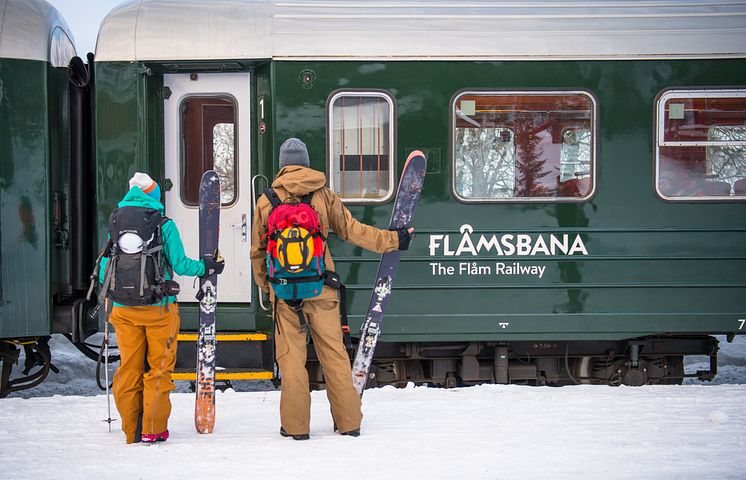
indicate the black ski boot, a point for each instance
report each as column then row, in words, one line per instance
column 302, row 436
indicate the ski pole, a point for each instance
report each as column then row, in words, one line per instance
column 106, row 372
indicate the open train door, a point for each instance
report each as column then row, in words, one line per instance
column 206, row 121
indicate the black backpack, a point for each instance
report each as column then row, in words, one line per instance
column 135, row 274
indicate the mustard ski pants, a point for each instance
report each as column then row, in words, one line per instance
column 145, row 333
column 291, row 351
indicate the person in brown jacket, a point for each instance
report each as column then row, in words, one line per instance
column 295, row 180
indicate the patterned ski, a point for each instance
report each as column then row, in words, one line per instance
column 407, row 195
column 209, row 222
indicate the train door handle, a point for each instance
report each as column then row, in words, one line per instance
column 243, row 226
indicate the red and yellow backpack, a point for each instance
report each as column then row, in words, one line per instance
column 295, row 248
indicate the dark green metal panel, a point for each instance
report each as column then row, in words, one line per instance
column 651, row 267
column 24, row 198
column 121, row 133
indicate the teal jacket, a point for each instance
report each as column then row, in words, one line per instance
column 172, row 245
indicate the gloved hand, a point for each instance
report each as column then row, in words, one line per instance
column 405, row 236
column 213, row 264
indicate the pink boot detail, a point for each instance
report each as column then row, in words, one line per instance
column 154, row 437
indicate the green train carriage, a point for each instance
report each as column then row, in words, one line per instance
column 551, row 246
column 46, row 211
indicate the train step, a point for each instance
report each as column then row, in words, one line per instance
column 227, row 337
column 239, row 356
column 224, row 374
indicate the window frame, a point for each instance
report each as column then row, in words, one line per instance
column 525, row 92
column 182, row 146
column 689, row 93
column 392, row 174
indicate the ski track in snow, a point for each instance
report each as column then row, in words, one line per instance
column 693, row 431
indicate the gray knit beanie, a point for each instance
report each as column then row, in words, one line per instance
column 293, row 152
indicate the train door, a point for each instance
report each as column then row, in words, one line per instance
column 206, row 121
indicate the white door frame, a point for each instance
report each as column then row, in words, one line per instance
column 235, row 219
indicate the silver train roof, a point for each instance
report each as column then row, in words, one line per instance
column 34, row 30
column 152, row 30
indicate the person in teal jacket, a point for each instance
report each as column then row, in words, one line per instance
column 148, row 333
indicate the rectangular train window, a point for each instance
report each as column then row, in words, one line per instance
column 208, row 143
column 524, row 146
column 701, row 139
column 361, row 142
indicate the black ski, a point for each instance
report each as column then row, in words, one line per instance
column 407, row 195
column 209, row 223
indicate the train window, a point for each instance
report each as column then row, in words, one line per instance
column 701, row 138
column 208, row 143
column 523, row 146
column 361, row 142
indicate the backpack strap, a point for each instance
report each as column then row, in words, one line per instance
column 272, row 197
column 109, row 280
column 105, row 252
column 164, row 266
column 162, row 259
column 297, row 306
column 333, row 280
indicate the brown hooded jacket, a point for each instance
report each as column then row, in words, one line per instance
column 295, row 182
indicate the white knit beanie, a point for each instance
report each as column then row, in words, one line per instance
column 146, row 184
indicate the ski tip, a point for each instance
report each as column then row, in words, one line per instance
column 416, row 153
column 209, row 176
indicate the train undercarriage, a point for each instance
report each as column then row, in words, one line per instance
column 36, row 366
column 647, row 361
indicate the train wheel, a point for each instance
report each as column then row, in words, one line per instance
column 597, row 371
column 582, row 369
column 37, row 365
column 388, row 373
column 674, row 371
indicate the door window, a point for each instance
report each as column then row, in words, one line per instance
column 208, row 143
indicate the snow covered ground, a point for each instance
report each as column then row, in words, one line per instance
column 693, row 431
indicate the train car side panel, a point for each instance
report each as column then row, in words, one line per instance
column 26, row 296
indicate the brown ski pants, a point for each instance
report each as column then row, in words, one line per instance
column 322, row 316
column 145, row 333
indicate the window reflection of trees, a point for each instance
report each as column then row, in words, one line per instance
column 530, row 160
column 518, row 146
column 575, row 156
column 726, row 163
column 485, row 162
column 223, row 144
